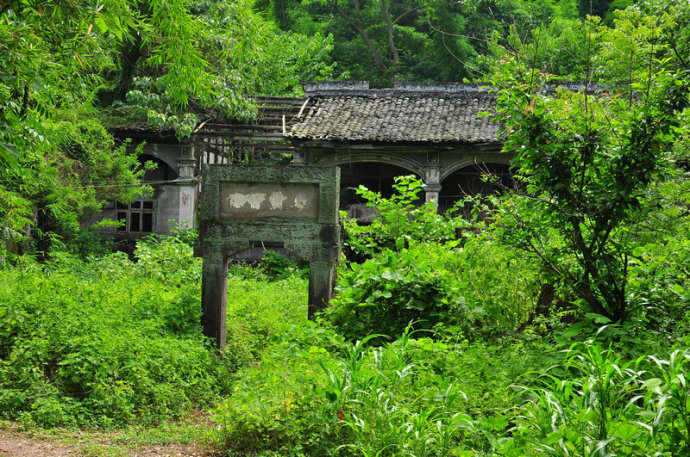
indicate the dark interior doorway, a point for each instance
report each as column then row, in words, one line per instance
column 477, row 179
column 376, row 176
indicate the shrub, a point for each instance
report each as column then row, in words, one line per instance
column 500, row 285
column 482, row 288
column 387, row 292
column 399, row 221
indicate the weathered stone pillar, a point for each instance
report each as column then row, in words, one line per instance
column 298, row 158
column 432, row 185
column 322, row 275
column 186, row 167
column 214, row 292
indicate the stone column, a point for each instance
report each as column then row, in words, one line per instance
column 322, row 276
column 186, row 167
column 432, row 185
column 214, row 292
column 298, row 158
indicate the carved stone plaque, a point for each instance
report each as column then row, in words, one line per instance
column 242, row 200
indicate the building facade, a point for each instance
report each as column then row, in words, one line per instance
column 444, row 134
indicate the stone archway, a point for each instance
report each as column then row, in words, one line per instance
column 342, row 159
column 163, row 172
column 376, row 171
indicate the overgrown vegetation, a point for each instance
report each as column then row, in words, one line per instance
column 110, row 341
column 68, row 69
column 557, row 323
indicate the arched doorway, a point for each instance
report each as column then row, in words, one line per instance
column 474, row 180
column 159, row 175
column 375, row 176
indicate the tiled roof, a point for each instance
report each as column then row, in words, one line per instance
column 411, row 113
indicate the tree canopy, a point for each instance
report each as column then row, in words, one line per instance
column 437, row 40
column 588, row 159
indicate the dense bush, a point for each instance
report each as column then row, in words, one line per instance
column 480, row 289
column 398, row 221
column 387, row 292
column 417, row 268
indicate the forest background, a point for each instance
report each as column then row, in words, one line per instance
column 557, row 325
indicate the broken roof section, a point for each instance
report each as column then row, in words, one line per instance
column 408, row 113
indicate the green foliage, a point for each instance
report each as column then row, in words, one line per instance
column 384, row 294
column 313, row 395
column 416, row 271
column 111, row 342
column 168, row 259
column 483, row 288
column 659, row 261
column 105, row 342
column 260, row 307
column 399, row 221
column 58, row 188
column 257, row 58
column 500, row 285
column 280, row 266
column 601, row 404
column 274, row 404
column 586, row 162
column 234, row 54
column 384, row 413
column 55, row 56
column 431, row 40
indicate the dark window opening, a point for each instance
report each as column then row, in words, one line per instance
column 268, row 244
column 378, row 177
column 478, row 180
column 137, row 217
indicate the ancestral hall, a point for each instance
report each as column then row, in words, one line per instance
column 444, row 134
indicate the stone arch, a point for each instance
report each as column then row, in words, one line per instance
column 163, row 171
column 376, row 171
column 399, row 160
column 492, row 158
column 163, row 153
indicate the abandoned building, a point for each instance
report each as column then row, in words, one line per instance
column 441, row 133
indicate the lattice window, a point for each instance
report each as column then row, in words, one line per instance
column 138, row 216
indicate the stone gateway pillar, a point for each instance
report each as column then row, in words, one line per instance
column 245, row 204
column 432, row 185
